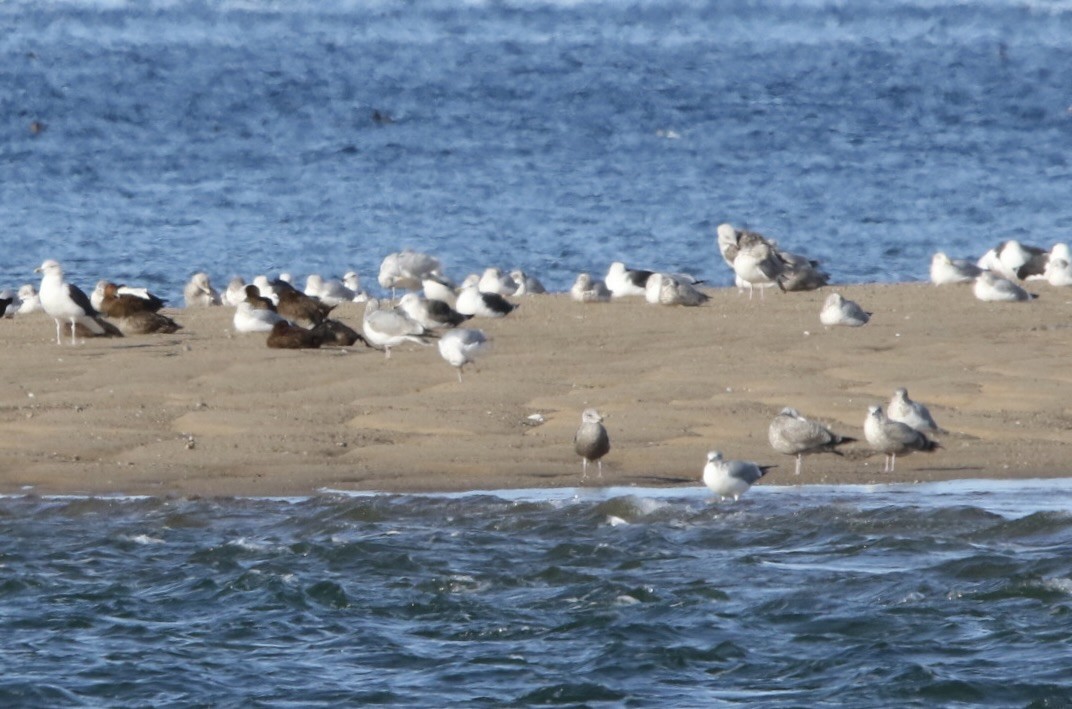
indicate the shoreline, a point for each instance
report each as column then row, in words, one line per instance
column 209, row 412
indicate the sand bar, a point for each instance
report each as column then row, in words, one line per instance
column 210, row 412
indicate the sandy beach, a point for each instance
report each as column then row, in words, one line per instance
column 207, row 411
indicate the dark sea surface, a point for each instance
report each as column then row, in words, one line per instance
column 240, row 136
column 948, row 594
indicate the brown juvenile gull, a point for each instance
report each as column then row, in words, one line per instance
column 893, row 437
column 731, row 478
column 461, row 346
column 66, row 302
column 792, row 434
column 912, row 413
column 591, row 441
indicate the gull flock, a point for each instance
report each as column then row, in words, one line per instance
column 433, row 309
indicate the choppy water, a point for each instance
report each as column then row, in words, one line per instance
column 907, row 595
column 236, row 136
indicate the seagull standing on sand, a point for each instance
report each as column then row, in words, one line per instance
column 911, row 413
column 731, row 478
column 945, row 270
column 839, row 311
column 387, row 327
column 893, row 437
column 461, row 346
column 992, row 288
column 589, row 290
column 591, row 441
column 199, row 293
column 66, row 302
column 792, row 434
column 406, row 269
column 757, row 266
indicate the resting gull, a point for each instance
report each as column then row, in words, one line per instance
column 1058, row 273
column 526, row 284
column 911, row 413
column 839, row 311
column 945, row 270
column 731, row 478
column 385, row 327
column 66, row 302
column 351, row 280
column 1011, row 258
column 591, row 441
column 29, row 301
column 433, row 314
column 461, row 346
column 623, row 282
column 494, row 281
column 134, row 315
column 199, row 293
column 485, row 305
column 438, row 287
column 235, row 293
column 255, row 313
column 993, row 288
column 792, row 434
column 790, row 271
column 331, row 292
column 893, row 437
column 589, row 290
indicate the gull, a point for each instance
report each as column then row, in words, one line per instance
column 591, row 441
column 405, row 269
column 1058, row 273
column 526, row 284
column 9, row 303
column 674, row 290
column 64, row 301
column 431, row 313
column 990, row 287
column 235, row 293
column 731, row 478
column 757, row 266
column 1008, row 258
column 589, row 290
column 486, row 305
column 29, row 301
column 351, row 280
column 790, row 271
column 331, row 292
column 267, row 289
column 438, row 287
column 150, row 301
column 792, row 434
column 334, row 333
column 493, row 281
column 199, row 293
column 461, row 346
column 295, row 305
column 945, row 270
column 387, row 327
column 911, row 413
column 255, row 313
column 624, row 282
column 839, row 311
column 893, row 437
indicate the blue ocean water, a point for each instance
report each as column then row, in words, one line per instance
column 949, row 594
column 253, row 136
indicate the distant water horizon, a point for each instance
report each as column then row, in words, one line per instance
column 142, row 142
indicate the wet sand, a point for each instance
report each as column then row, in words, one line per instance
column 207, row 411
